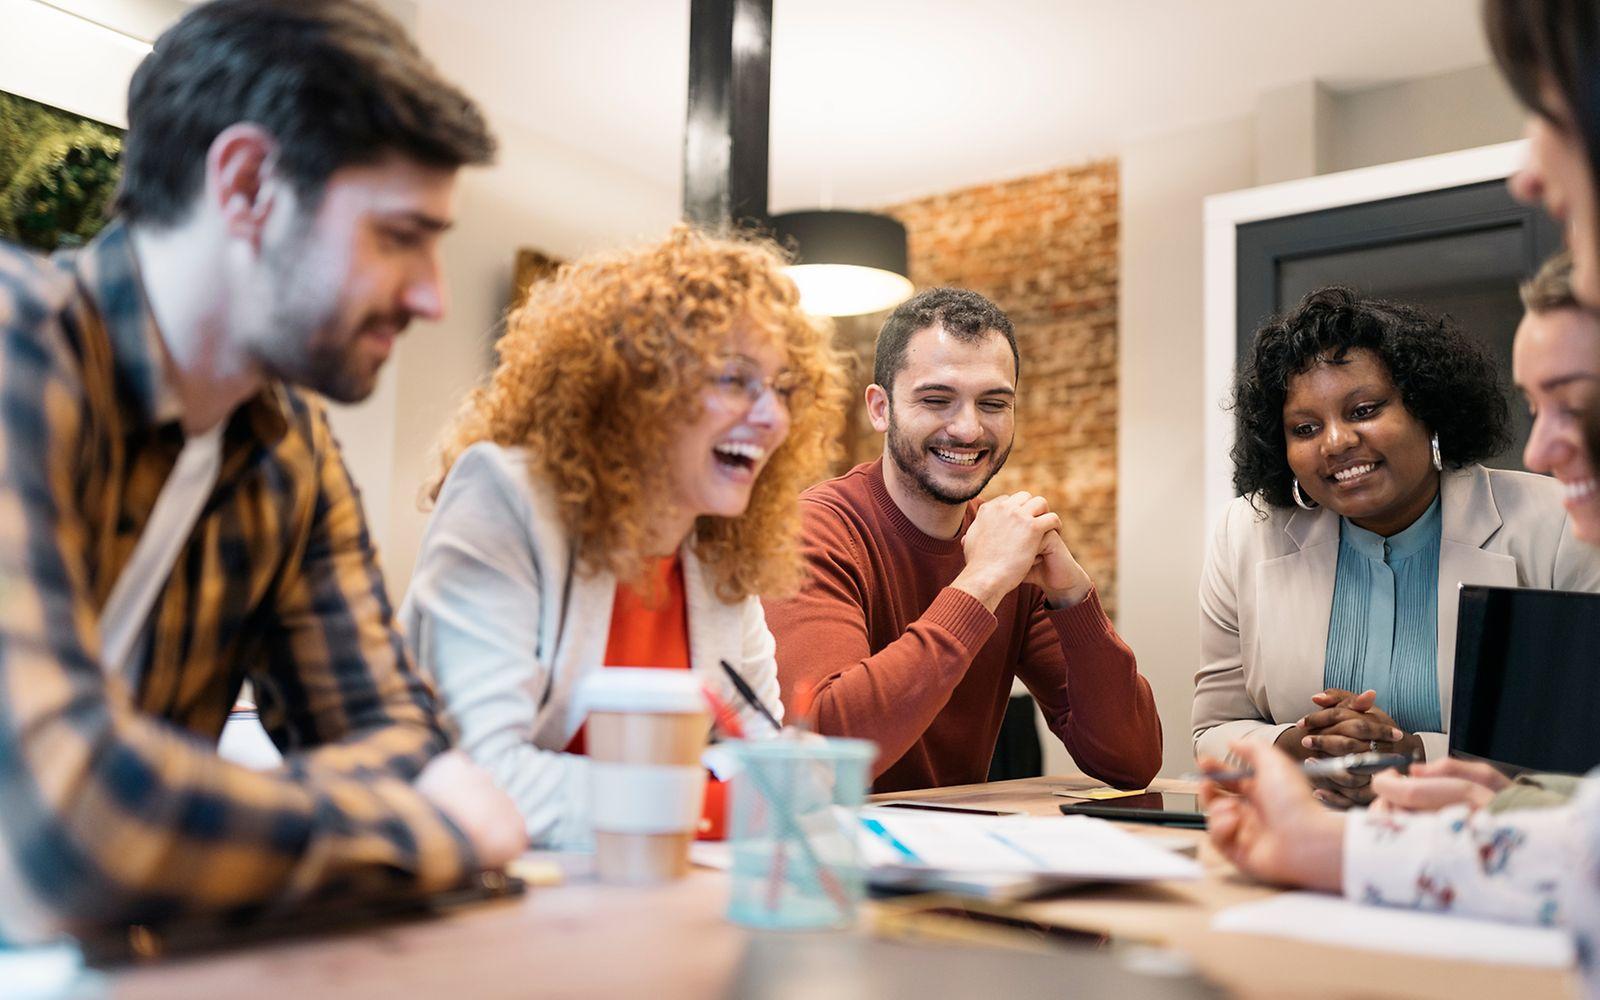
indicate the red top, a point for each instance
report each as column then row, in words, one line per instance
column 893, row 654
column 649, row 628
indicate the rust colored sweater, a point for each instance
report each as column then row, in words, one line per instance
column 887, row 651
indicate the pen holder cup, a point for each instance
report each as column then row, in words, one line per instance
column 793, row 832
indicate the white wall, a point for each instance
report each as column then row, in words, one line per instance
column 1307, row 128
column 43, row 52
column 1160, row 529
column 1293, row 126
column 1435, row 114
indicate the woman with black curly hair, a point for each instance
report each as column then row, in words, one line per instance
column 1547, row 861
column 1328, row 598
column 1441, row 837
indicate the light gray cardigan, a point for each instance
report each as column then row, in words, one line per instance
column 506, row 623
column 1267, row 592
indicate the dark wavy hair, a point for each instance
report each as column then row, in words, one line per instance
column 1446, row 381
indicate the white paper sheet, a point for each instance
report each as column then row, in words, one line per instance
column 1066, row 847
column 1060, row 849
column 1333, row 920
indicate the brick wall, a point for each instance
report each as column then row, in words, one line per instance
column 1045, row 249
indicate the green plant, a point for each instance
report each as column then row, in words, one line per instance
column 59, row 197
column 57, row 174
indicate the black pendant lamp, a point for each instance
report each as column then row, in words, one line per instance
column 847, row 263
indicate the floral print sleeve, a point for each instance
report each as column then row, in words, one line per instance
column 1505, row 866
column 1581, row 891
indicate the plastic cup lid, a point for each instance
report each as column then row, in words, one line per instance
column 640, row 689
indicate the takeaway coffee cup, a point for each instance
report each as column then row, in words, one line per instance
column 645, row 732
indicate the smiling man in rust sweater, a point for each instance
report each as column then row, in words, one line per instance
column 920, row 605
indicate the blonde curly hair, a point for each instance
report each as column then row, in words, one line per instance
column 606, row 362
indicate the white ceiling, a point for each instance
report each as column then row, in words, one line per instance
column 875, row 100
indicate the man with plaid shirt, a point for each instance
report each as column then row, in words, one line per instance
column 288, row 170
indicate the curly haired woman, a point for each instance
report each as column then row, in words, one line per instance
column 1328, row 599
column 619, row 494
column 1441, row 838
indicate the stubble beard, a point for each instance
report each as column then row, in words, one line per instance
column 913, row 462
column 295, row 344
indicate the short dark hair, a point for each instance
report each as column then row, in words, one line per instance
column 967, row 315
column 1446, row 380
column 337, row 82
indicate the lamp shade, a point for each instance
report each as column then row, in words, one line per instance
column 846, row 263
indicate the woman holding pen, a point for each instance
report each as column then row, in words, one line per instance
column 1540, row 865
column 618, row 494
column 1328, row 595
column 1512, row 865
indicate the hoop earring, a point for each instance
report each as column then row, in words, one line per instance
column 1438, row 462
column 1300, row 500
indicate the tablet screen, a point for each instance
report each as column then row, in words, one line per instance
column 1182, row 802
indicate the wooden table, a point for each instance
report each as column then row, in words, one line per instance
column 587, row 940
column 1178, row 914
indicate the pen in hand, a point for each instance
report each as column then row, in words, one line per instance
column 749, row 695
column 1354, row 763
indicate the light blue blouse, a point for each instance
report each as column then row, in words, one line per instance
column 1383, row 630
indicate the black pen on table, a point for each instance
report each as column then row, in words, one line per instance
column 749, row 695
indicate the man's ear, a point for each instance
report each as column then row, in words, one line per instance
column 242, row 182
column 878, row 407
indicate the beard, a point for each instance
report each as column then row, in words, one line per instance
column 303, row 341
column 337, row 371
column 912, row 458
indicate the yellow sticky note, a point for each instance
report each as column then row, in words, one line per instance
column 536, row 873
column 1097, row 794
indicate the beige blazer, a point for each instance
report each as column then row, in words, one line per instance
column 1267, row 591
column 507, row 625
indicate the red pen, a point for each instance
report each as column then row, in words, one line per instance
column 727, row 720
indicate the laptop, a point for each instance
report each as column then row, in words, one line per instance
column 1527, row 679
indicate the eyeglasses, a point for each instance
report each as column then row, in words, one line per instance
column 742, row 384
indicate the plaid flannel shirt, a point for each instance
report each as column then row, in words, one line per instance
column 114, row 806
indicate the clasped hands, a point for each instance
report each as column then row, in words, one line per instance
column 1351, row 723
column 1016, row 539
column 1345, row 723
